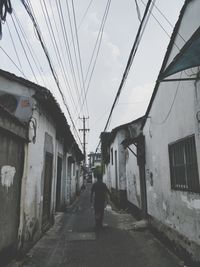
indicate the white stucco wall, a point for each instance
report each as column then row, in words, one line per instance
column 121, row 173
column 35, row 170
column 132, row 178
column 73, row 181
column 172, row 117
column 61, row 153
column 80, row 177
column 175, row 208
column 107, row 176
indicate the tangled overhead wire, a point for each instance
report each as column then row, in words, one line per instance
column 5, row 7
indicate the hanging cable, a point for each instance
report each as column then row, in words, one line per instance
column 13, row 43
column 74, row 48
column 29, row 46
column 50, row 63
column 97, row 46
column 63, row 56
column 25, row 53
column 138, row 10
column 12, row 61
column 163, row 15
column 130, row 60
column 85, row 13
column 56, row 49
column 66, row 41
column 79, row 52
column 172, row 104
column 162, row 26
column 5, row 7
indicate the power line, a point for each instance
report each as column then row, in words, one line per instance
column 85, row 13
column 75, row 55
column 66, row 41
column 5, row 8
column 29, row 63
column 64, row 31
column 138, row 10
column 56, row 49
column 79, row 52
column 162, row 14
column 63, row 56
column 13, row 43
column 12, row 61
column 97, row 45
column 49, row 62
column 130, row 59
column 29, row 46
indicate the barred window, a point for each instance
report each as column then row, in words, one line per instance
column 183, row 165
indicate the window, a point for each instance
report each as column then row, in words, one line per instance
column 111, row 152
column 183, row 165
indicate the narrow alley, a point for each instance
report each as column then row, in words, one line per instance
column 73, row 241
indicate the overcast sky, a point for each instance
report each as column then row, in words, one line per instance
column 118, row 37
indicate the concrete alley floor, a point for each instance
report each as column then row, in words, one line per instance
column 73, row 242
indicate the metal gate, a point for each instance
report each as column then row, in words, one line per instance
column 46, row 215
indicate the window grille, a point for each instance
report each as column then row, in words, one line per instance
column 183, row 165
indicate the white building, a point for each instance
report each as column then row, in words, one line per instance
column 172, row 139
column 51, row 173
column 121, row 172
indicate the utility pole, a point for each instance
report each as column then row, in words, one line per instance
column 84, row 130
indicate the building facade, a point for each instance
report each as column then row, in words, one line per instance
column 172, row 142
column 36, row 172
column 121, row 171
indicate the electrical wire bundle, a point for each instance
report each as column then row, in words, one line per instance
column 5, row 7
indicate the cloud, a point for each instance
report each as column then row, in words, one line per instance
column 115, row 51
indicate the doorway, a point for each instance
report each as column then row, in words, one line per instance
column 47, row 191
column 58, row 186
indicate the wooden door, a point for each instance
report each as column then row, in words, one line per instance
column 11, row 171
column 47, row 191
column 58, row 186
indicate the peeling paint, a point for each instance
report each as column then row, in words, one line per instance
column 192, row 204
column 155, row 195
column 164, row 206
column 7, row 175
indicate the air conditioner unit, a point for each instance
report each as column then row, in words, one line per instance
column 20, row 106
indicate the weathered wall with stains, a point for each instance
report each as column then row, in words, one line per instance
column 132, row 178
column 75, row 182
column 61, row 154
column 11, row 170
column 45, row 142
column 178, row 209
column 121, row 173
column 36, row 186
column 173, row 116
column 107, row 176
column 79, row 174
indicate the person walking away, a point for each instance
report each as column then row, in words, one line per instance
column 100, row 192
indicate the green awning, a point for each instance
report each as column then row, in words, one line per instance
column 188, row 57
